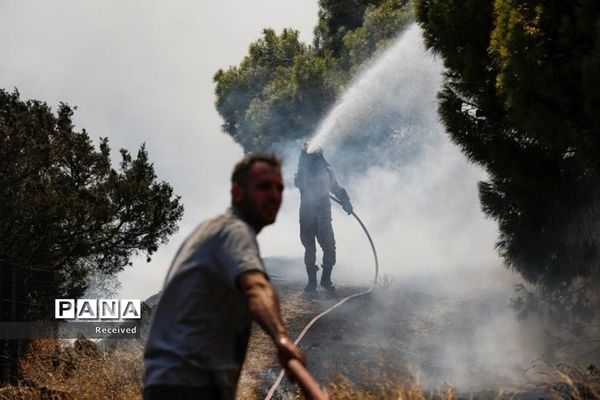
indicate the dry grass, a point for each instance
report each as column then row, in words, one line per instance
column 54, row 372
column 566, row 381
column 386, row 384
column 82, row 372
column 387, row 389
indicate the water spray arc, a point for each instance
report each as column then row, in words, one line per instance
column 313, row 321
column 399, row 87
column 401, row 106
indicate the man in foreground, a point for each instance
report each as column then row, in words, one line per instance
column 215, row 287
column 316, row 180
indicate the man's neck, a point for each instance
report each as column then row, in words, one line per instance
column 254, row 224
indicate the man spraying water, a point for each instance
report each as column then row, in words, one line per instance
column 316, row 180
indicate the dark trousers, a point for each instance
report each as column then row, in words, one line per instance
column 315, row 223
column 171, row 392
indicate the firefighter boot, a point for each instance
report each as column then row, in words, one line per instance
column 326, row 278
column 311, row 286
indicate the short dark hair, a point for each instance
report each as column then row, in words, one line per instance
column 241, row 171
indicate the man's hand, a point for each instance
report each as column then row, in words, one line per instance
column 264, row 308
column 287, row 350
column 343, row 198
column 347, row 207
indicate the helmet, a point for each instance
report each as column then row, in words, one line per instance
column 311, row 147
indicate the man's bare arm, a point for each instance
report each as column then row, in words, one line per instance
column 264, row 308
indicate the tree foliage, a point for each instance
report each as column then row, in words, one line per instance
column 379, row 27
column 64, row 207
column 520, row 98
column 283, row 87
column 67, row 215
column 548, row 59
column 276, row 93
column 336, row 19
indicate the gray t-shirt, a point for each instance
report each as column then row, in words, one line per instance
column 201, row 325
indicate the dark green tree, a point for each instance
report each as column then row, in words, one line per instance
column 520, row 98
column 380, row 25
column 66, row 213
column 336, row 19
column 548, row 58
column 283, row 88
column 276, row 94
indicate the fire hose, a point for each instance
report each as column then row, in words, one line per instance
column 310, row 388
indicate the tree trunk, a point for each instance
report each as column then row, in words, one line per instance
column 9, row 349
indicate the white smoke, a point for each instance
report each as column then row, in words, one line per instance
column 424, row 217
column 398, row 89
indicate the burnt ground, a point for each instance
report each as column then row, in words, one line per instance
column 402, row 329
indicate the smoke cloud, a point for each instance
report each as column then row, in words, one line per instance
column 417, row 195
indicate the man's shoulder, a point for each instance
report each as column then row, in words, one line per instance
column 212, row 227
column 228, row 222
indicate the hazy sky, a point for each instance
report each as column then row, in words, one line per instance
column 141, row 71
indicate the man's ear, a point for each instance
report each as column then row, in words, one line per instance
column 237, row 194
